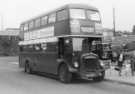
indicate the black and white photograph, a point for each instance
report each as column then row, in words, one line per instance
column 67, row 47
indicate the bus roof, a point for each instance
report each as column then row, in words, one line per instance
column 82, row 6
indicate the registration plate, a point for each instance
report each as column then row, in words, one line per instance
column 91, row 75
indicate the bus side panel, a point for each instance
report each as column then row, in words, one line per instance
column 28, row 57
column 22, row 59
column 47, row 62
column 62, row 28
column 47, row 58
column 21, row 63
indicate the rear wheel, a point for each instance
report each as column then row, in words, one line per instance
column 28, row 68
column 64, row 75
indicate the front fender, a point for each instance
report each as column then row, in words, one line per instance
column 70, row 68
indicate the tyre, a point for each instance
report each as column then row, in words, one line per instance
column 28, row 68
column 64, row 75
column 99, row 78
column 103, row 76
column 96, row 78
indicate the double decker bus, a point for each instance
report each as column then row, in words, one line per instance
column 104, row 51
column 61, row 43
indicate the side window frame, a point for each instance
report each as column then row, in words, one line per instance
column 44, row 46
column 22, row 28
column 52, row 47
column 37, row 22
column 26, row 27
column 44, row 20
column 31, row 25
column 52, row 18
column 63, row 13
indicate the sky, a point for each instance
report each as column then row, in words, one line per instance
column 13, row 12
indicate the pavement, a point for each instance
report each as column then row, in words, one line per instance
column 126, row 77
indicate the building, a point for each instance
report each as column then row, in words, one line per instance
column 108, row 35
column 9, row 41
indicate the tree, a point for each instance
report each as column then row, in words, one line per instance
column 133, row 31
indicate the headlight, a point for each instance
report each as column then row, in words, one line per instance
column 101, row 63
column 76, row 64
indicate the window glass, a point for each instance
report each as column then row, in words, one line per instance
column 44, row 46
column 68, row 45
column 37, row 22
column 37, row 47
column 62, row 15
column 25, row 27
column 21, row 48
column 85, row 45
column 77, row 44
column 77, row 13
column 44, row 20
column 52, row 18
column 22, row 27
column 31, row 25
column 51, row 47
column 93, row 15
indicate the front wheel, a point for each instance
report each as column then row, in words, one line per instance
column 64, row 75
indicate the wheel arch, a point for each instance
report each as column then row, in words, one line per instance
column 60, row 64
column 27, row 61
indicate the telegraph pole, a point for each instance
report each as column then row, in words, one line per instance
column 114, row 28
column 2, row 26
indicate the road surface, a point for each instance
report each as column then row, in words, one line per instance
column 14, row 81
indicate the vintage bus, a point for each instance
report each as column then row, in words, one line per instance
column 62, row 43
column 105, row 53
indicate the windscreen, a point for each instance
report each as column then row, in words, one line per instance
column 84, row 14
column 77, row 44
column 84, row 44
column 106, row 47
column 77, row 14
column 93, row 15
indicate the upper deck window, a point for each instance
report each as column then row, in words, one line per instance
column 52, row 18
column 37, row 22
column 77, row 13
column 62, row 15
column 22, row 27
column 26, row 27
column 93, row 15
column 31, row 25
column 44, row 20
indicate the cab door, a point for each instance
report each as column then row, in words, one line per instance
column 61, row 48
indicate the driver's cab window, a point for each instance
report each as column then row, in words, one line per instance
column 77, row 44
column 86, row 45
column 60, row 47
column 93, row 46
column 68, row 45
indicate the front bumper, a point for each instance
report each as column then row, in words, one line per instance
column 90, row 75
column 87, row 75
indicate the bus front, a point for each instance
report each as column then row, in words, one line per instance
column 85, row 21
column 85, row 25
